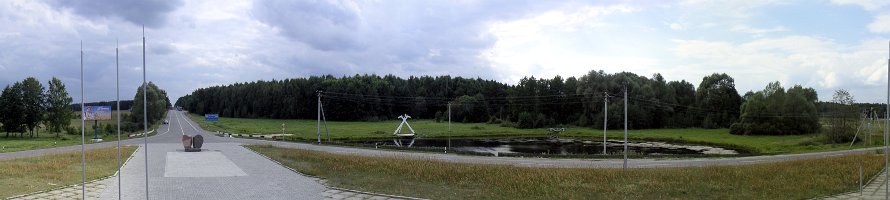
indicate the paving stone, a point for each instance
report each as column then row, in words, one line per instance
column 339, row 196
column 378, row 198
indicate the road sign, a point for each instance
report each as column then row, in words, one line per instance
column 97, row 113
column 211, row 117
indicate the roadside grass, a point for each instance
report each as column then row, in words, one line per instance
column 46, row 139
column 800, row 179
column 305, row 130
column 26, row 175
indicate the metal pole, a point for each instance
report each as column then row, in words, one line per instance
column 323, row 118
column 625, row 127
column 887, row 136
column 449, row 117
column 118, row 84
column 318, row 124
column 605, row 118
column 145, row 112
column 83, row 158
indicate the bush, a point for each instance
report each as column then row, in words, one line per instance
column 71, row 130
column 508, row 123
column 439, row 116
column 110, row 129
column 526, row 120
column 841, row 131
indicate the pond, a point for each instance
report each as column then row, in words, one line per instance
column 548, row 146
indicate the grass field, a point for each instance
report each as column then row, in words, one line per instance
column 26, row 175
column 306, row 130
column 47, row 139
column 802, row 179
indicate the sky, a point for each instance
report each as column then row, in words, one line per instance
column 824, row 44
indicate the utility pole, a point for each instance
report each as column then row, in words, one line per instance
column 605, row 118
column 625, row 127
column 449, row 117
column 324, row 119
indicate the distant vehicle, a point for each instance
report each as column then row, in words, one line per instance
column 166, row 122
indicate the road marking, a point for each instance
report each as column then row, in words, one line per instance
column 187, row 121
column 180, row 125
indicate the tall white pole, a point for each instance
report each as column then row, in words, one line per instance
column 118, row 85
column 605, row 118
column 83, row 158
column 887, row 136
column 318, row 125
column 625, row 127
column 145, row 111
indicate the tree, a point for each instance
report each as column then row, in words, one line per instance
column 33, row 101
column 57, row 105
column 157, row 104
column 718, row 97
column 842, row 124
column 773, row 111
column 13, row 110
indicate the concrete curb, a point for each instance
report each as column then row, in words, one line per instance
column 321, row 180
column 243, row 135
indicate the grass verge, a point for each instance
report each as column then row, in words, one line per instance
column 443, row 180
column 49, row 140
column 26, row 175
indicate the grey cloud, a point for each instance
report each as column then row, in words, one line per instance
column 161, row 48
column 398, row 37
column 320, row 24
column 151, row 13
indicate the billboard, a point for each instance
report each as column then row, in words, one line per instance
column 211, row 117
column 100, row 113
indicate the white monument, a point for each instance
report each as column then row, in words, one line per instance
column 398, row 131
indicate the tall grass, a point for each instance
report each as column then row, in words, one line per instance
column 26, row 175
column 443, row 180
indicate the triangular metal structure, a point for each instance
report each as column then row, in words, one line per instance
column 398, row 131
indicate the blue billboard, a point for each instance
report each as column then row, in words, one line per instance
column 211, row 117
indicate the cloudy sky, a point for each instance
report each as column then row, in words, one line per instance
column 825, row 44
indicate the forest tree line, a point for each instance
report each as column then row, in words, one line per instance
column 531, row 103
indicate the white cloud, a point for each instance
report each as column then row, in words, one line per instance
column 731, row 8
column 881, row 24
column 757, row 31
column 533, row 46
column 866, row 4
column 809, row 61
column 675, row 26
